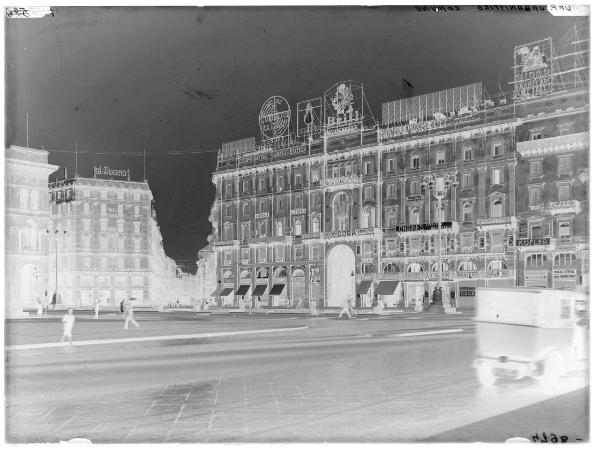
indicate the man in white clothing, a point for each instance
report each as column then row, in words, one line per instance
column 68, row 322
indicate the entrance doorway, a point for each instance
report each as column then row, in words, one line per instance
column 341, row 264
column 414, row 292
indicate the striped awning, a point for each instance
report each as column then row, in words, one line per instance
column 277, row 289
column 364, row 287
column 216, row 292
column 259, row 290
column 242, row 289
column 386, row 287
column 226, row 291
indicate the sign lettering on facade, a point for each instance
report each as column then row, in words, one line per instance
column 533, row 242
column 107, row 171
column 343, row 109
column 348, row 233
column 533, row 69
column 466, row 291
column 423, row 227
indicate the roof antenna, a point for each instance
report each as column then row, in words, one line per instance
column 27, row 131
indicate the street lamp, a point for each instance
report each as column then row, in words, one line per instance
column 439, row 186
column 56, row 233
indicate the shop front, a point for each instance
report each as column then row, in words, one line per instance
column 390, row 292
column 242, row 296
column 364, row 293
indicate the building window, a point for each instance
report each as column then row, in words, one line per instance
column 228, row 231
column 497, row 149
column 227, row 210
column 136, row 226
column 245, row 186
column 564, row 192
column 468, row 154
column 391, row 218
column 86, row 208
column 497, row 264
column 368, row 193
column 348, row 169
column 415, row 162
column 536, row 134
column 341, row 212
column 536, row 260
column 279, row 228
column 298, row 179
column 103, row 194
column 316, row 199
column 280, row 253
column 120, row 224
column 87, row 194
column 466, row 242
column 467, row 180
column 497, row 208
column 367, row 168
column 315, row 251
column 298, row 202
column 102, row 225
column 316, row 224
column 86, row 263
column 441, row 157
column 136, row 196
column 244, row 229
column 535, row 196
column 535, row 169
column 262, row 206
column 245, row 208
column 368, row 217
column 262, row 254
column 467, row 211
column 391, row 164
column 414, row 216
column 280, row 185
column 415, row 187
column 536, row 231
column 497, row 177
column 565, row 260
column 103, row 209
column 439, row 215
column 297, row 227
column 564, row 230
column 261, row 184
column 390, row 191
column 245, row 255
column 228, row 190
column 564, row 165
column 121, row 244
column 298, row 252
column 316, row 176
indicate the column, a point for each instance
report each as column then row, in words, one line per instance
column 481, row 202
column 402, row 214
column 511, row 210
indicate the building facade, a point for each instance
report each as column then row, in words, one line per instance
column 206, row 273
column 105, row 244
column 350, row 206
column 27, row 219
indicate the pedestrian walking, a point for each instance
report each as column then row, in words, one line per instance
column 129, row 315
column 68, row 322
column 347, row 308
column 40, row 308
column 452, row 298
column 54, row 300
column 96, row 309
column 122, row 308
column 419, row 304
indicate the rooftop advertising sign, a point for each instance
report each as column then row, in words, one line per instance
column 533, row 69
column 274, row 117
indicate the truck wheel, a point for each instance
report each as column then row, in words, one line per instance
column 485, row 374
column 553, row 369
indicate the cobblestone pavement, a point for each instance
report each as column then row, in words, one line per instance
column 371, row 386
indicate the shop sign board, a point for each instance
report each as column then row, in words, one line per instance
column 423, row 227
column 533, row 242
column 533, row 69
column 466, row 291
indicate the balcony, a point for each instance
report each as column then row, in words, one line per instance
column 554, row 145
column 492, row 223
column 564, row 207
column 227, row 243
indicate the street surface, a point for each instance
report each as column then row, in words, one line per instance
column 399, row 378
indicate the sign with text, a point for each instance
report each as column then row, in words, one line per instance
column 466, row 291
column 423, row 227
column 274, row 117
column 533, row 242
column 108, row 172
column 344, row 109
column 533, row 69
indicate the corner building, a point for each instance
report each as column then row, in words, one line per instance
column 343, row 206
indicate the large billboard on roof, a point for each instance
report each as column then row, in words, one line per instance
column 533, row 69
column 236, row 147
column 433, row 105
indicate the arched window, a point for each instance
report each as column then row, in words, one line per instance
column 497, row 208
column 281, row 272
column 467, row 265
column 435, row 268
column 227, row 274
column 262, row 229
column 414, row 268
column 467, row 211
column 279, row 227
column 316, row 224
column 298, row 272
column 262, row 273
column 497, row 264
column 414, row 216
column 245, row 274
column 391, row 268
column 341, row 212
column 297, row 227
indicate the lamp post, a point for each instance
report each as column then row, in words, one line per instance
column 439, row 186
column 56, row 233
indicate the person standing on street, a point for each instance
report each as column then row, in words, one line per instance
column 347, row 308
column 96, row 309
column 122, row 308
column 40, row 308
column 68, row 322
column 129, row 315
column 54, row 300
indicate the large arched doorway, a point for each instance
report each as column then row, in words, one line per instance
column 29, row 284
column 340, row 275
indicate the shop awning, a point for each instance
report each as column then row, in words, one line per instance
column 216, row 292
column 386, row 288
column 242, row 289
column 259, row 290
column 226, row 291
column 364, row 287
column 277, row 289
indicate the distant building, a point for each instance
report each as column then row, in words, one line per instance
column 109, row 245
column 27, row 219
column 206, row 273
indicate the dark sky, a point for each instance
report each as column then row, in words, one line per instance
column 186, row 79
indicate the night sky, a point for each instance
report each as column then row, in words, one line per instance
column 177, row 82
